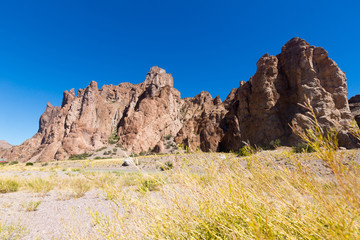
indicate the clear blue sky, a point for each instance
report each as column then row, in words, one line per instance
column 47, row 47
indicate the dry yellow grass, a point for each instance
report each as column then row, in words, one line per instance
column 14, row 231
column 278, row 195
column 247, row 198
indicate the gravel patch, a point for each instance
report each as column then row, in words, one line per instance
column 54, row 218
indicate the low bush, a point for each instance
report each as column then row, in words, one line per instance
column 274, row 144
column 167, row 166
column 302, row 148
column 100, row 149
column 107, row 152
column 31, row 206
column 149, row 183
column 113, row 138
column 246, row 150
column 82, row 156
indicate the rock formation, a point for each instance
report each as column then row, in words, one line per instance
column 264, row 107
column 139, row 117
column 354, row 104
column 201, row 117
column 4, row 144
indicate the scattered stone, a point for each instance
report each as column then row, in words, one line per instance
column 128, row 161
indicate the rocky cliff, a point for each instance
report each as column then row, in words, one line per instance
column 264, row 107
column 141, row 117
column 136, row 116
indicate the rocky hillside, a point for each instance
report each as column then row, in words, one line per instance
column 143, row 117
column 4, row 144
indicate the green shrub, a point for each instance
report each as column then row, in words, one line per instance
column 246, row 150
column 167, row 166
column 82, row 156
column 303, row 147
column 29, row 164
column 107, row 153
column 113, row 138
column 31, row 206
column 150, row 183
column 100, row 149
column 13, row 162
column 274, row 144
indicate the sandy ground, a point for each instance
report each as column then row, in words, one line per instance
column 54, row 218
column 59, row 215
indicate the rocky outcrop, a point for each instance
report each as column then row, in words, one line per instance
column 264, row 107
column 151, row 115
column 201, row 117
column 142, row 117
column 354, row 104
column 137, row 116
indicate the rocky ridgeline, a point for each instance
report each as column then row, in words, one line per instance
column 4, row 144
column 140, row 117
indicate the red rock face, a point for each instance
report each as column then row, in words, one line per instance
column 264, row 107
column 201, row 117
column 141, row 115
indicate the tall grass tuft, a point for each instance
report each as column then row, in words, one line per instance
column 323, row 143
column 39, row 185
column 8, row 185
